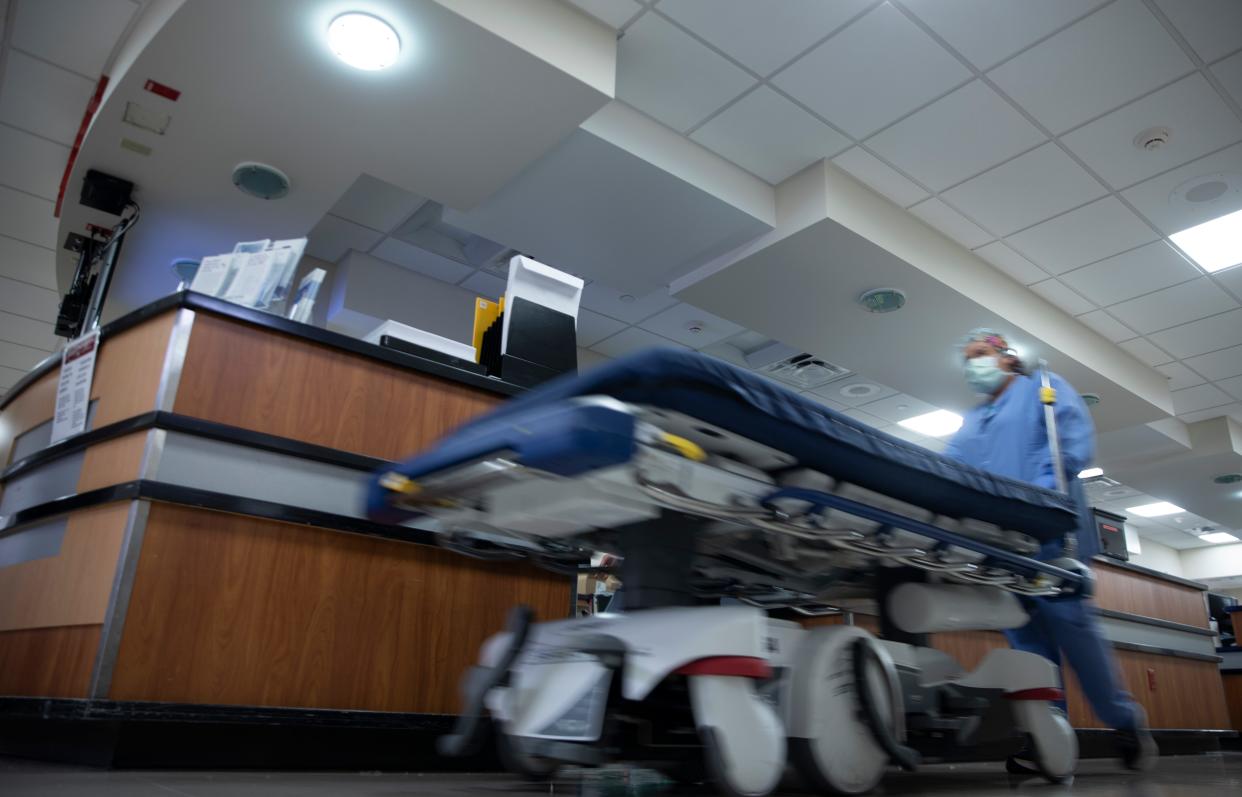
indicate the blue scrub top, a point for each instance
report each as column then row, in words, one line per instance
column 1007, row 437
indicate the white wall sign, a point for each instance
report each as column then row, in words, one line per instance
column 73, row 391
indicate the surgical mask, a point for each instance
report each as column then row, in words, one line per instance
column 984, row 374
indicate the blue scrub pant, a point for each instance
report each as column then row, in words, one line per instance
column 1068, row 626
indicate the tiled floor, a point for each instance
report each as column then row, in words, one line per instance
column 1189, row 776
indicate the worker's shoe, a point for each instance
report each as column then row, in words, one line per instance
column 1138, row 750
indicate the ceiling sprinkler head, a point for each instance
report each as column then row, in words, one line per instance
column 625, row 298
column 1153, row 138
column 694, row 327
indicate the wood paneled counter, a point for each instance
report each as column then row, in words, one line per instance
column 203, row 542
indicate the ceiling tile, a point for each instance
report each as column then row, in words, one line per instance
column 78, row 36
column 483, row 284
column 1109, row 58
column 1012, row 263
column 1197, row 398
column 881, row 177
column 1231, row 279
column 1198, row 120
column 1180, row 377
column 989, row 31
column 1170, row 307
column 1026, row 190
column 1155, row 198
column 897, row 408
column 27, row 263
column 1208, row 414
column 374, row 203
column 854, row 392
column 622, row 306
column 1229, row 73
column 867, row 418
column 1082, row 236
column 28, row 332
column 1232, row 386
column 1130, row 274
column 1218, row 364
column 613, row 13
column 951, row 223
column 769, row 136
column 909, row 435
column 1210, row 26
column 420, row 260
column 762, row 36
column 8, row 376
column 937, row 149
column 32, row 164
column 332, row 237
column 675, row 323
column 836, row 406
column 1060, row 295
column 893, row 67
column 21, row 298
column 1199, row 337
column 22, row 358
column 42, row 98
column 27, row 218
column 668, row 75
column 1106, row 325
column 593, row 327
column 1145, row 351
column 632, row 340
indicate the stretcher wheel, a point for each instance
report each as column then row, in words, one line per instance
column 1053, row 738
column 831, row 746
column 743, row 741
column 516, row 759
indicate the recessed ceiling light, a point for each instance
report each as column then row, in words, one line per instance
column 1090, row 473
column 1227, row 478
column 364, row 41
column 1218, row 537
column 1215, row 244
column 1090, row 399
column 883, row 300
column 934, row 424
column 1158, row 509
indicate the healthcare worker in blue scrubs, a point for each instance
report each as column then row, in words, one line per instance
column 1006, row 435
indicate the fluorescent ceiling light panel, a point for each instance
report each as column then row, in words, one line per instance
column 1215, row 244
column 1219, row 537
column 1090, row 473
column 934, row 424
column 1158, row 509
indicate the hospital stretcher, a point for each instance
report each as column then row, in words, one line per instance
column 712, row 482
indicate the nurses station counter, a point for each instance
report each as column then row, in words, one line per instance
column 201, row 548
column 191, row 582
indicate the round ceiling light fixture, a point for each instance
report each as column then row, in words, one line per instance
column 261, row 180
column 859, row 390
column 1227, row 478
column 1207, row 188
column 1090, row 399
column 882, row 300
column 364, row 41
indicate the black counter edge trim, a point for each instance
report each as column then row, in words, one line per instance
column 1154, row 621
column 1147, row 571
column 1159, row 651
column 173, row 422
column 336, row 340
column 206, row 499
column 112, row 710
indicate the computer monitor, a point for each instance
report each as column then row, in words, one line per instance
column 1218, row 610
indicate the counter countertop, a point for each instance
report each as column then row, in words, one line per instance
column 336, row 340
column 1147, row 571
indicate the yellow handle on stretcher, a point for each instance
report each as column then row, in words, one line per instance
column 1048, row 395
column 399, row 484
column 687, row 448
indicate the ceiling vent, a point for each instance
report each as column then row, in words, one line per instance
column 803, row 371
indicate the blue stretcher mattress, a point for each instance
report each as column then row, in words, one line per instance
column 549, row 431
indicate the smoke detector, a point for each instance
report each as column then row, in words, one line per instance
column 695, row 327
column 1153, row 138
